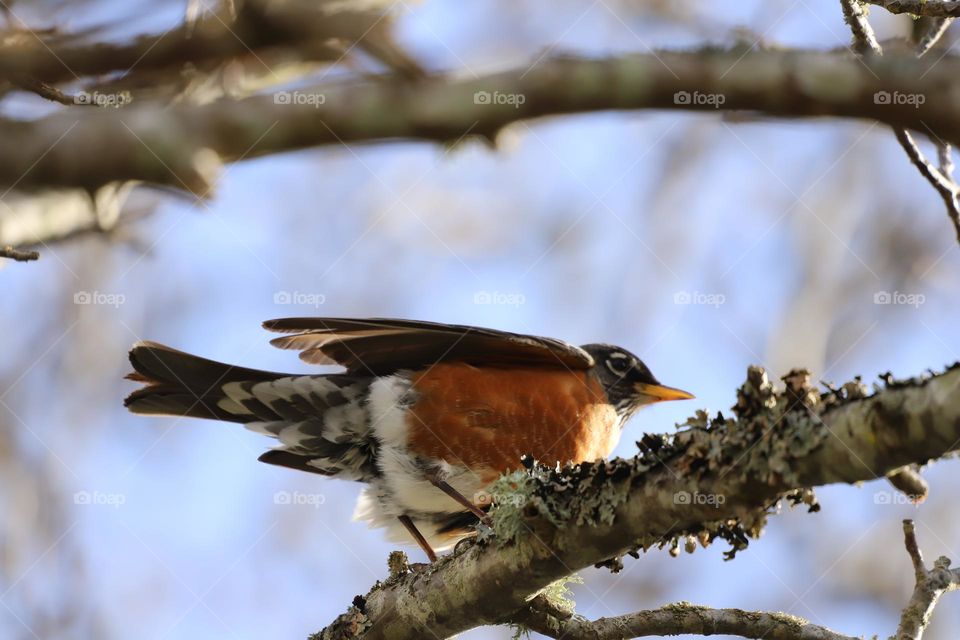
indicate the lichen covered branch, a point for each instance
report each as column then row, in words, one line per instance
column 718, row 478
column 929, row 8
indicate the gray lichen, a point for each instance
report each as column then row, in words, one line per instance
column 559, row 596
column 771, row 427
column 398, row 564
column 352, row 624
column 775, row 439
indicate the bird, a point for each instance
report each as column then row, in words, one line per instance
column 426, row 415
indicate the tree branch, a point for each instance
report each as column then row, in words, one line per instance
column 718, row 478
column 40, row 219
column 864, row 39
column 674, row 619
column 930, row 585
column 162, row 144
column 19, row 256
column 929, row 8
column 865, row 43
column 306, row 26
column 44, row 90
column 544, row 617
column 942, row 182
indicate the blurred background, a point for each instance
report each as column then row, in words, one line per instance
column 701, row 243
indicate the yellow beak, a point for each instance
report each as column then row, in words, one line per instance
column 661, row 392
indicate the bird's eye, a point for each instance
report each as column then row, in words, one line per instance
column 619, row 363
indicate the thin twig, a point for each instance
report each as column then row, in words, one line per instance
column 936, row 29
column 945, row 155
column 865, row 43
column 19, row 256
column 45, row 91
column 910, row 541
column 864, row 39
column 947, row 188
column 930, row 585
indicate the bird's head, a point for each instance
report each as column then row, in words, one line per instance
column 627, row 381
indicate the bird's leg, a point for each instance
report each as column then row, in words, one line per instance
column 412, row 529
column 444, row 486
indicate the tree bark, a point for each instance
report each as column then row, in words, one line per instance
column 716, row 479
column 172, row 144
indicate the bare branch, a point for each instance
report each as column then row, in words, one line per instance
column 945, row 156
column 304, row 26
column 864, row 39
column 715, row 480
column 39, row 219
column 44, row 90
column 865, row 43
column 161, row 143
column 945, row 186
column 913, row 548
column 19, row 256
column 675, row 619
column 684, row 618
column 935, row 30
column 931, row 584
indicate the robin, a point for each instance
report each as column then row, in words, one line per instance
column 427, row 415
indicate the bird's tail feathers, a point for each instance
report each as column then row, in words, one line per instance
column 181, row 384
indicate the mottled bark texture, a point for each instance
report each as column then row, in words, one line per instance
column 676, row 619
column 718, row 477
column 173, row 144
column 544, row 616
column 930, row 585
column 928, row 8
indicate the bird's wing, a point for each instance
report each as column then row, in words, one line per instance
column 381, row 346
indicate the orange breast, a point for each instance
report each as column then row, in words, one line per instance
column 487, row 418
